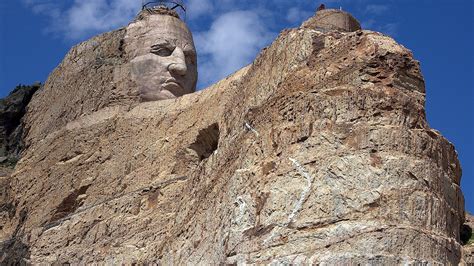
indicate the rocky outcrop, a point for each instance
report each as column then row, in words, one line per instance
column 318, row 152
column 6, row 209
column 467, row 238
column 12, row 109
column 332, row 20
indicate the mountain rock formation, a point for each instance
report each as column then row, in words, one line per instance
column 317, row 152
column 12, row 110
column 468, row 238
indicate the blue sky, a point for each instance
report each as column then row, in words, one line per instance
column 36, row 34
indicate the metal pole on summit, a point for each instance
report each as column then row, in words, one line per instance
column 172, row 5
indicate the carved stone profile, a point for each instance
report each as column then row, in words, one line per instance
column 164, row 64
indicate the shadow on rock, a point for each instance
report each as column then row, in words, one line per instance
column 466, row 234
column 14, row 251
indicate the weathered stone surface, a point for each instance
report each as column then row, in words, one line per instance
column 164, row 63
column 333, row 19
column 6, row 208
column 12, row 110
column 318, row 152
column 468, row 238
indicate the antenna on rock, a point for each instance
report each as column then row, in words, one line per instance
column 174, row 5
column 170, row 4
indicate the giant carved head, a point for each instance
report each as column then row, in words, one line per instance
column 164, row 63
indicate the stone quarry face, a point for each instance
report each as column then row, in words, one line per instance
column 319, row 152
column 164, row 62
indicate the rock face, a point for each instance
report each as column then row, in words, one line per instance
column 468, row 238
column 12, row 110
column 318, row 152
column 332, row 19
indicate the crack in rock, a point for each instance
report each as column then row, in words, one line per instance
column 299, row 204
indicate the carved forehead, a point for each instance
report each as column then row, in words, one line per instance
column 174, row 42
column 171, row 39
column 155, row 29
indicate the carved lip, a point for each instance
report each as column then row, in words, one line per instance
column 172, row 81
column 173, row 85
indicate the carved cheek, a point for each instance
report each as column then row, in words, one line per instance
column 147, row 65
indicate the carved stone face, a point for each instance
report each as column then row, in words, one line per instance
column 164, row 57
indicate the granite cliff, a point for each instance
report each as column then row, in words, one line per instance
column 317, row 152
column 467, row 238
column 12, row 110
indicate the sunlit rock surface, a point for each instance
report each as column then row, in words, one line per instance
column 318, row 152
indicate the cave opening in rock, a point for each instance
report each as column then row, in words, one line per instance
column 466, row 235
column 206, row 142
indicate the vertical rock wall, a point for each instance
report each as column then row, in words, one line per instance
column 318, row 152
column 12, row 110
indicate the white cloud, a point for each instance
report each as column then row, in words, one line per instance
column 76, row 19
column 376, row 9
column 232, row 42
column 198, row 8
column 90, row 16
column 297, row 15
column 48, row 8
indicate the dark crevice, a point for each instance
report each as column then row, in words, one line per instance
column 69, row 204
column 8, row 208
column 206, row 142
column 318, row 45
column 466, row 234
column 14, row 251
column 12, row 109
column 258, row 231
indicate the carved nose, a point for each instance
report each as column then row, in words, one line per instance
column 178, row 64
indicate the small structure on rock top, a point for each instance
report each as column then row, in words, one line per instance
column 332, row 19
column 165, row 5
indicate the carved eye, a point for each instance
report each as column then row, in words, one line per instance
column 161, row 51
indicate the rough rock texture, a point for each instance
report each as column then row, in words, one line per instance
column 468, row 238
column 6, row 208
column 92, row 76
column 318, row 152
column 333, row 19
column 12, row 110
